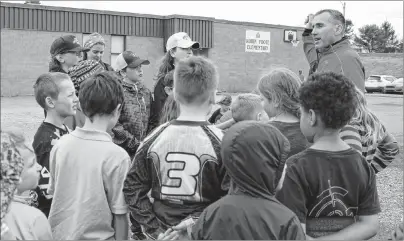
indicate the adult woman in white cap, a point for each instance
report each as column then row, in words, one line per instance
column 179, row 46
column 96, row 45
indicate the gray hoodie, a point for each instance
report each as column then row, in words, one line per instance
column 254, row 155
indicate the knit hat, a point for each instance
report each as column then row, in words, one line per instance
column 83, row 70
column 12, row 165
column 93, row 39
column 226, row 100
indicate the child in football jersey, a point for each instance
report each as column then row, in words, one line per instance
column 56, row 94
column 330, row 186
column 180, row 160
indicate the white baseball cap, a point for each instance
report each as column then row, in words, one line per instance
column 181, row 40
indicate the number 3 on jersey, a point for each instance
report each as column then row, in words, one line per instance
column 180, row 177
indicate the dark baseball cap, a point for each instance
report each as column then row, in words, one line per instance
column 129, row 59
column 226, row 100
column 65, row 44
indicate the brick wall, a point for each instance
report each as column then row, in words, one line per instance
column 148, row 48
column 240, row 70
column 24, row 56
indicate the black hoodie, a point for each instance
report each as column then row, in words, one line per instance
column 254, row 155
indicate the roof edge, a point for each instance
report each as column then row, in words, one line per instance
column 106, row 12
column 258, row 24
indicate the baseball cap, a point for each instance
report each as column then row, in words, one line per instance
column 129, row 59
column 66, row 43
column 226, row 100
column 181, row 40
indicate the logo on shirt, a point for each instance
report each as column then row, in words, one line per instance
column 331, row 203
column 186, row 37
column 179, row 174
column 45, row 175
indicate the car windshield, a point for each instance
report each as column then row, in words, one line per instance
column 388, row 78
column 374, row 78
column 399, row 81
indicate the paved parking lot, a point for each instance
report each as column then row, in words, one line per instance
column 23, row 112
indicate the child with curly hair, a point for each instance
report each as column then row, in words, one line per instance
column 330, row 186
column 21, row 171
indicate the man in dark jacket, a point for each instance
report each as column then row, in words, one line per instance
column 254, row 155
column 327, row 48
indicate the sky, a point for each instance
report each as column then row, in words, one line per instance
column 290, row 13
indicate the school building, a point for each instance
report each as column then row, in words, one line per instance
column 242, row 51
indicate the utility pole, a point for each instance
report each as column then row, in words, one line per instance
column 343, row 8
column 32, row 2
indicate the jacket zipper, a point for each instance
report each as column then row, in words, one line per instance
column 141, row 110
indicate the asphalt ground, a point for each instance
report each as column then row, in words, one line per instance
column 25, row 113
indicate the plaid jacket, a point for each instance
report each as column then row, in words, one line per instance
column 133, row 121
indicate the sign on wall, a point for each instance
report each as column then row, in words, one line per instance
column 257, row 41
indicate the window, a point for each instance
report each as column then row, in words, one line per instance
column 117, row 47
column 390, row 79
column 374, row 78
column 85, row 37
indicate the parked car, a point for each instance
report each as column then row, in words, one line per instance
column 395, row 87
column 377, row 83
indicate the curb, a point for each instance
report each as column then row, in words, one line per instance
column 385, row 95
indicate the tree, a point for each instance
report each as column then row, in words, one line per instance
column 400, row 46
column 377, row 39
column 349, row 31
column 388, row 41
column 32, row 2
column 369, row 37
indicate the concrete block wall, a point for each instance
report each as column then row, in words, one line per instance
column 24, row 56
column 240, row 70
column 147, row 48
